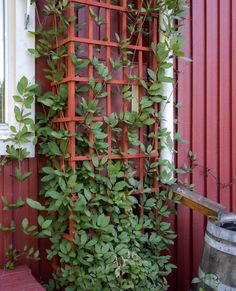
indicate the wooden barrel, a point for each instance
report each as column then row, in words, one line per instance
column 219, row 257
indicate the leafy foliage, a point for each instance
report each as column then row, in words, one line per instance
column 16, row 150
column 114, row 247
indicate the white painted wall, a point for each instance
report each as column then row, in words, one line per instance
column 167, row 106
column 18, row 61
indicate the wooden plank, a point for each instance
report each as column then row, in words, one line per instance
column 212, row 50
column 198, row 124
column 18, row 279
column 233, row 104
column 183, row 219
column 196, row 201
column 225, row 132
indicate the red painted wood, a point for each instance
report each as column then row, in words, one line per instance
column 198, row 121
column 212, row 51
column 12, row 190
column 233, row 103
column 224, row 102
column 184, row 91
column 1, row 219
column 207, row 89
column 18, row 279
column 6, row 216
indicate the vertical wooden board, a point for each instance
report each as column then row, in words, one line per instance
column 212, row 50
column 233, row 104
column 20, row 189
column 7, row 215
column 45, row 270
column 224, row 102
column 1, row 216
column 32, row 213
column 198, row 122
column 12, row 190
column 184, row 93
column 172, row 278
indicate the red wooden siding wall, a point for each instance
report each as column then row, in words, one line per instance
column 12, row 190
column 207, row 90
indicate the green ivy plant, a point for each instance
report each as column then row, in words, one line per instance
column 17, row 151
column 113, row 246
column 207, row 279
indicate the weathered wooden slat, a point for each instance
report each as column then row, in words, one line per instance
column 196, row 201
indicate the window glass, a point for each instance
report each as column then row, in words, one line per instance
column 2, row 63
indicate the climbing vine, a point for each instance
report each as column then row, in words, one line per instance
column 120, row 229
column 17, row 152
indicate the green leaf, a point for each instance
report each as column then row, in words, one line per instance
column 13, row 129
column 34, row 204
column 100, row 135
column 25, row 223
column 92, row 13
column 47, row 170
column 36, row 255
column 46, row 224
column 150, row 203
column 34, row 52
column 103, row 220
column 53, row 194
column 166, row 79
column 152, row 75
column 117, row 37
column 180, row 171
column 196, row 280
column 17, row 98
column 87, row 194
column 144, row 84
column 54, row 148
column 9, row 206
column 72, row 181
column 96, row 125
column 95, row 161
column 18, row 113
column 64, row 3
column 25, row 176
column 84, row 238
column 21, row 177
column 22, row 85
column 88, row 119
column 79, row 63
column 104, row 160
column 92, row 82
column 149, row 121
column 82, row 88
column 120, row 186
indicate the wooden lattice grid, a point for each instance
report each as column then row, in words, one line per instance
column 100, row 42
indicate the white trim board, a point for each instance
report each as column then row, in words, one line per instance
column 18, row 62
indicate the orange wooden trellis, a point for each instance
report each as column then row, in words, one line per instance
column 100, row 41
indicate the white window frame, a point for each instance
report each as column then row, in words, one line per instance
column 18, row 62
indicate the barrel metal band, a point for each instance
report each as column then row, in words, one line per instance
column 220, row 246
column 220, row 232
column 212, row 284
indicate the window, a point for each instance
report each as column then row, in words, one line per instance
column 15, row 60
